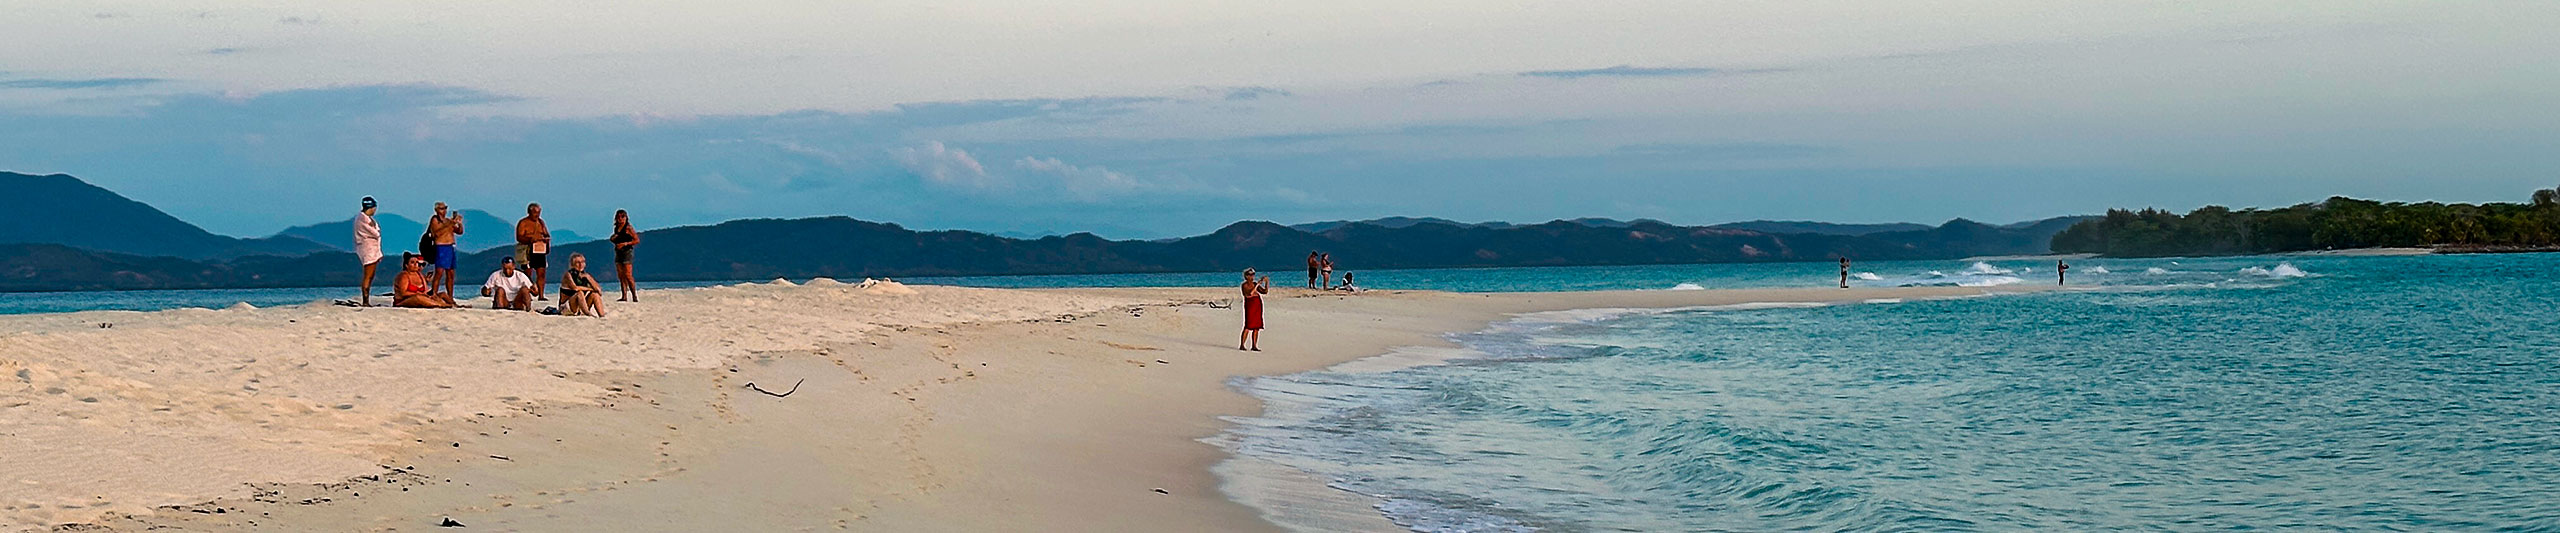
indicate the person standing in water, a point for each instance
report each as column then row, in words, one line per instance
column 368, row 249
column 624, row 239
column 1844, row 272
column 533, row 248
column 2061, row 271
column 1254, row 288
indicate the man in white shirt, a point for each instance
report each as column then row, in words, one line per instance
column 508, row 288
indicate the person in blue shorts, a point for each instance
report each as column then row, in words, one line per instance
column 444, row 227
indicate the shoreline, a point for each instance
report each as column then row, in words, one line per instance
column 1070, row 420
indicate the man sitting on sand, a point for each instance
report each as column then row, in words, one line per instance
column 579, row 293
column 508, row 288
column 411, row 288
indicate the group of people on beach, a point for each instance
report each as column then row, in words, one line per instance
column 1320, row 273
column 427, row 276
column 1319, row 276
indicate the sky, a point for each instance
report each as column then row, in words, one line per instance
column 1149, row 119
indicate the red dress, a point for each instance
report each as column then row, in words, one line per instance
column 1252, row 309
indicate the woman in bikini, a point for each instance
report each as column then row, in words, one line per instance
column 412, row 290
column 1254, row 288
column 624, row 239
column 579, row 294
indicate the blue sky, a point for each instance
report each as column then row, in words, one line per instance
column 1152, row 119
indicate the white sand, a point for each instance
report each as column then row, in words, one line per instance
column 186, row 405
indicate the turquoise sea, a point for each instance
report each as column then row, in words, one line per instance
column 1457, row 279
column 2253, row 393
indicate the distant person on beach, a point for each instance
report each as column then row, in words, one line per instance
column 1346, row 284
column 580, row 295
column 368, row 249
column 411, row 288
column 1844, row 272
column 1254, row 288
column 1327, row 264
column 624, row 239
column 1315, row 263
column 427, row 252
column 533, row 248
column 445, row 226
column 2061, row 273
column 508, row 288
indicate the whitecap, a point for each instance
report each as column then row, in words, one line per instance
column 1985, row 269
column 1688, row 287
column 2155, row 271
column 1866, row 276
column 2099, row 270
column 2282, row 270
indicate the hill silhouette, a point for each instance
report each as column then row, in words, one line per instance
column 1825, row 228
column 60, row 209
column 844, row 247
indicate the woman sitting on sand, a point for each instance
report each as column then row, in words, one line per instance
column 579, row 293
column 1254, row 288
column 411, row 289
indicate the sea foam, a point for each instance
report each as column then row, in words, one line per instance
column 2281, row 270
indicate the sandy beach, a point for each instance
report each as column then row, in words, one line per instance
column 907, row 409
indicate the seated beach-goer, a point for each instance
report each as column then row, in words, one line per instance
column 1346, row 284
column 580, row 295
column 412, row 290
column 508, row 288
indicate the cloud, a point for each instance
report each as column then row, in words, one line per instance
column 944, row 165
column 89, row 83
column 1252, row 93
column 1631, row 71
column 1084, row 182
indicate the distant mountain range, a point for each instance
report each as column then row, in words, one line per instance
column 1761, row 226
column 60, row 209
column 847, row 248
column 1821, row 228
column 481, row 231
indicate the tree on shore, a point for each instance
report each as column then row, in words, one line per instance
column 2336, row 223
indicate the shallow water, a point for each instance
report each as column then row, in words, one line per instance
column 1649, row 277
column 2408, row 393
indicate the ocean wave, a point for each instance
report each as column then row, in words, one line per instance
column 2099, row 270
column 1984, row 269
column 2281, row 270
column 1866, row 276
column 1936, row 279
column 2157, row 271
column 1688, row 287
column 1423, row 515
